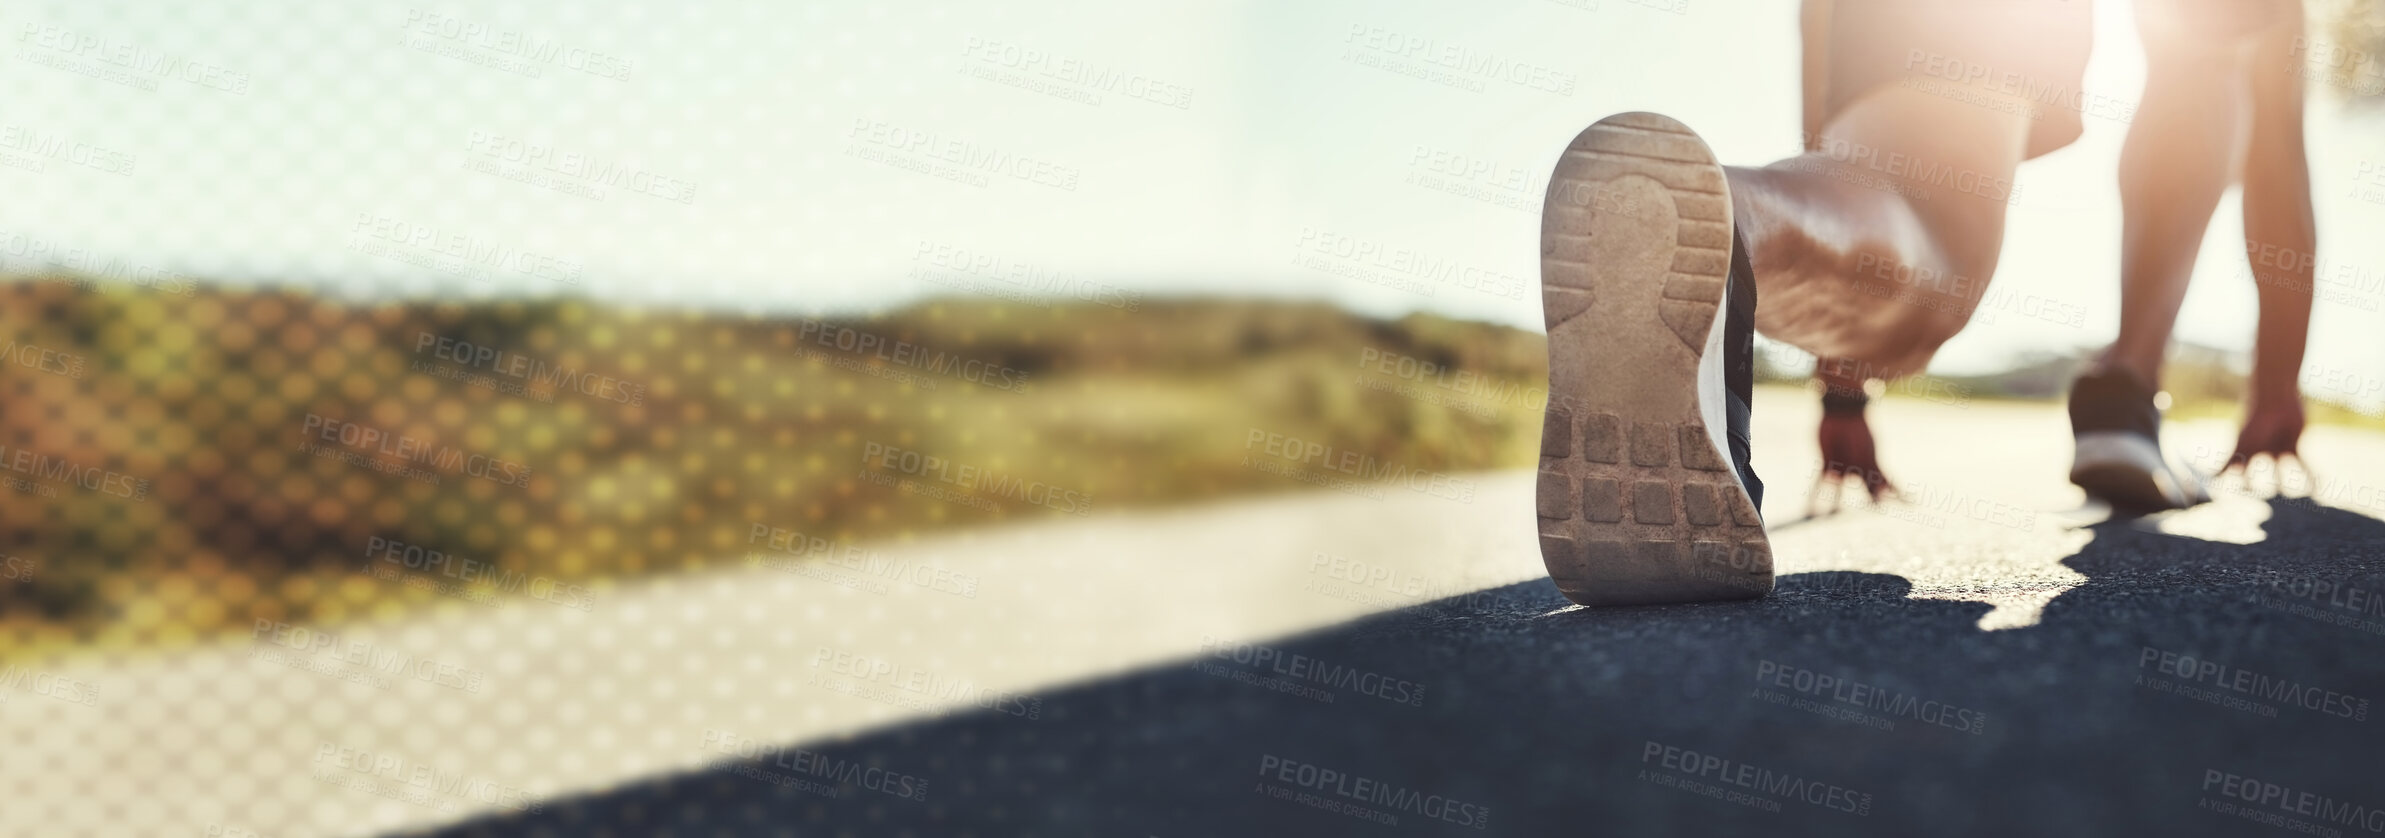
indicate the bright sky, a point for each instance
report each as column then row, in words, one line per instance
column 841, row 155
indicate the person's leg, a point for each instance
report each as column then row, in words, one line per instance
column 1903, row 302
column 2281, row 238
column 1649, row 248
column 1652, row 252
column 1869, row 256
column 2173, row 168
column 2198, row 120
column 1875, row 247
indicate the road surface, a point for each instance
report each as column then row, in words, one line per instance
column 1984, row 658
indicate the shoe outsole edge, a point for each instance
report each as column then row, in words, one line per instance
column 1637, row 502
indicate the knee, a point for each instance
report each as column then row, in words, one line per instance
column 1933, row 332
column 1910, row 348
column 1928, row 307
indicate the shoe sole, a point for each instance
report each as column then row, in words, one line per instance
column 1637, row 500
column 2126, row 471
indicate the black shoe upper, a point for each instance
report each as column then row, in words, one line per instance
column 2113, row 399
column 1739, row 367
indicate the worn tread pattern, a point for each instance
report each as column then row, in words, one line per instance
column 1635, row 505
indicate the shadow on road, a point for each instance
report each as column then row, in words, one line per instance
column 1837, row 706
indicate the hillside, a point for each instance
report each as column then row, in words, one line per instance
column 189, row 461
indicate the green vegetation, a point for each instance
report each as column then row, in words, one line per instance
column 187, row 465
column 179, row 465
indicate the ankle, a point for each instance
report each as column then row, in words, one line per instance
column 2145, row 371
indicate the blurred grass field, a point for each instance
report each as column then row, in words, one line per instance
column 168, row 476
column 165, row 473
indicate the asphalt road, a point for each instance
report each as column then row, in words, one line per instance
column 1984, row 658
